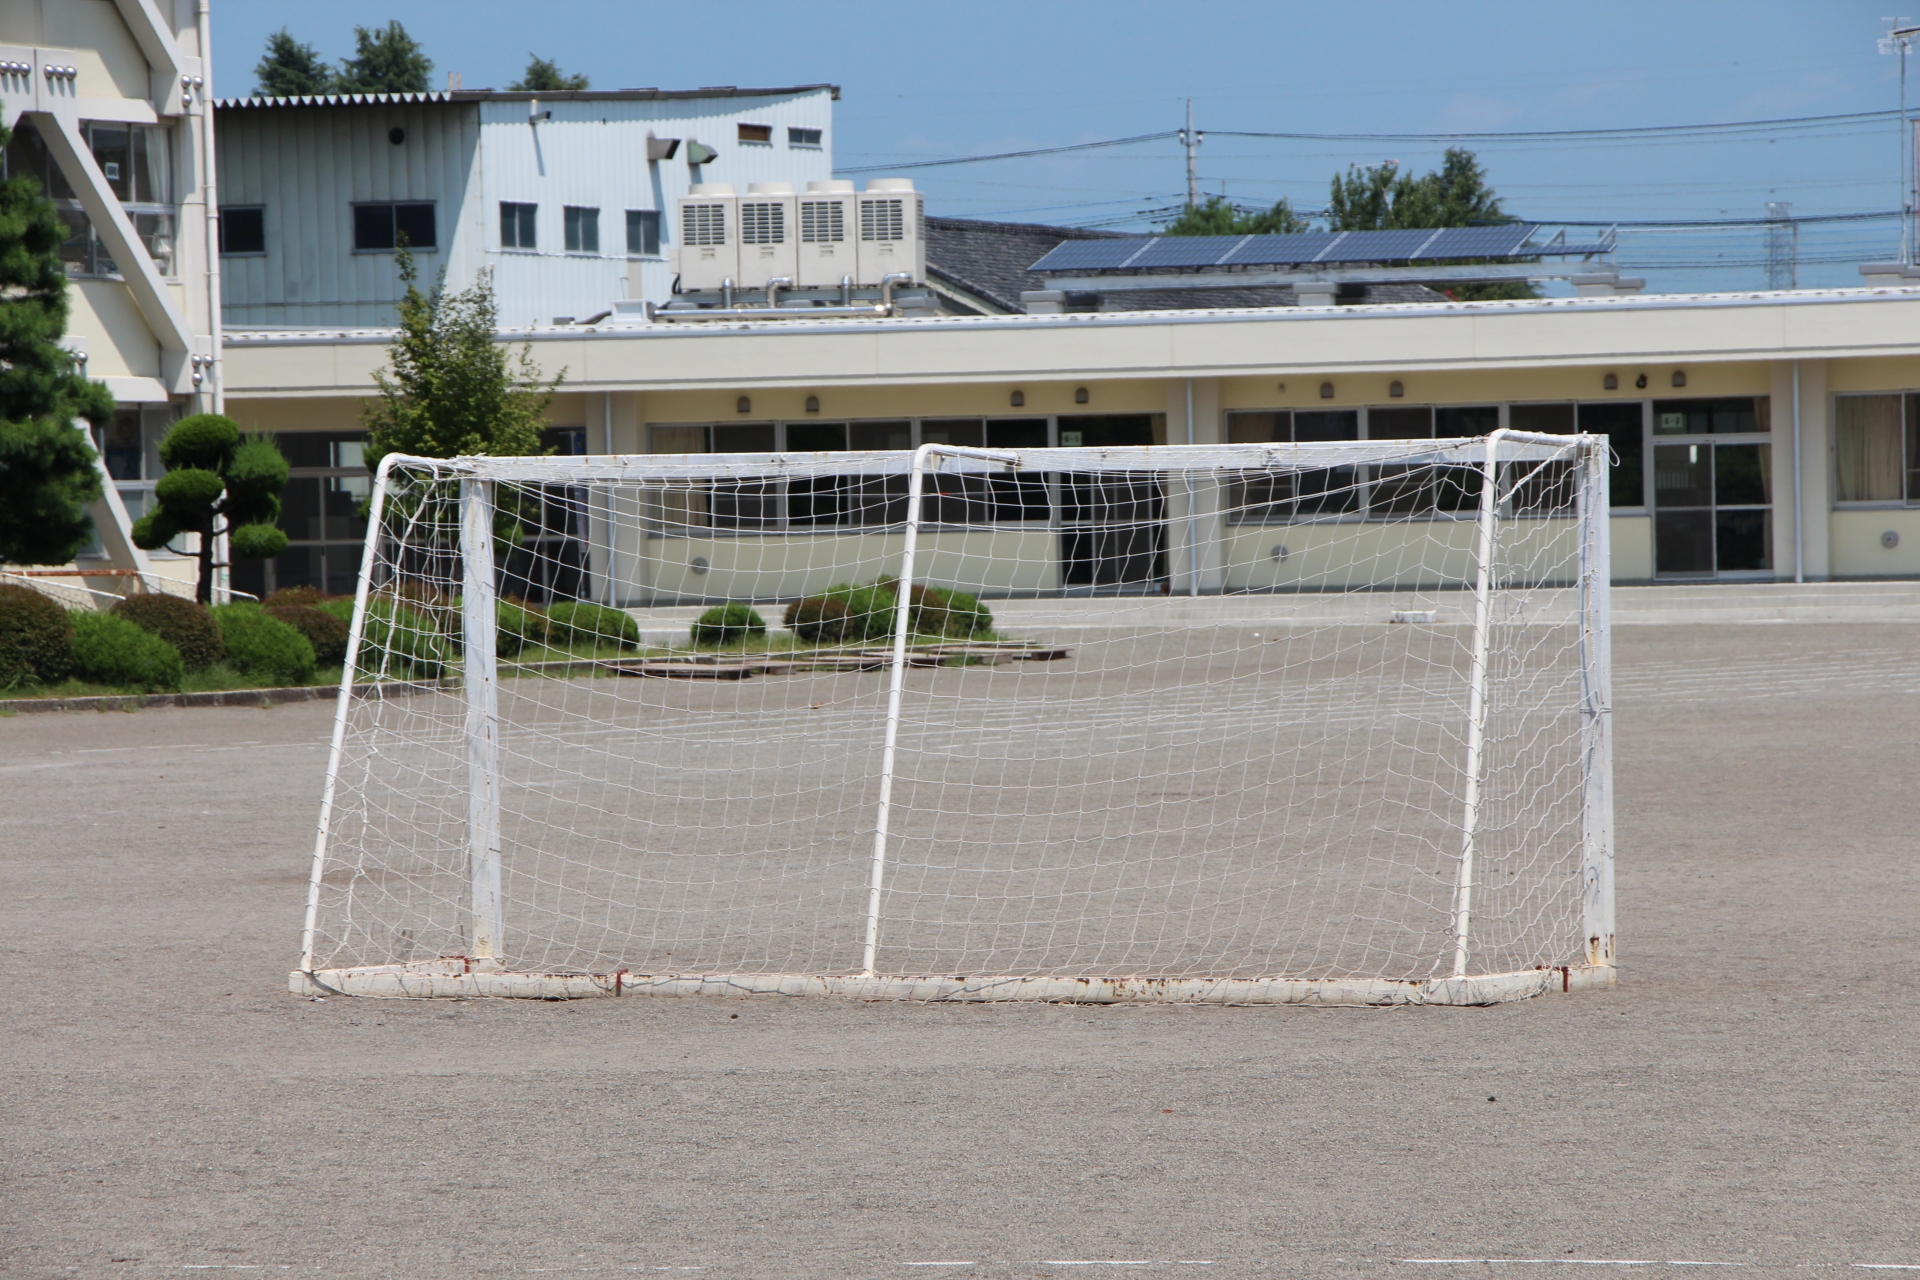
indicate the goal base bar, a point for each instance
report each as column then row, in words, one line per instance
column 457, row 979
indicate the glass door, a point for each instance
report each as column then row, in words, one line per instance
column 1712, row 513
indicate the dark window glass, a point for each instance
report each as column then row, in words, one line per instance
column 1683, row 475
column 1542, row 419
column 120, row 445
column 113, row 153
column 1326, row 424
column 1740, row 475
column 1619, row 422
column 1400, row 424
column 1725, row 415
column 583, row 230
column 518, row 225
column 803, row 137
column 1913, row 449
column 816, row 437
column 751, row 505
column 756, row 133
column 373, row 226
column 1457, row 422
column 743, row 437
column 643, row 232
column 1743, row 540
column 1016, row 433
column 880, row 435
column 1259, row 428
column 967, row 432
column 415, row 222
column 243, row 229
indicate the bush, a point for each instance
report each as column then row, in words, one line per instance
column 728, row 624
column 111, row 650
column 326, row 633
column 36, row 639
column 263, row 646
column 818, row 619
column 516, row 627
column 402, row 639
column 938, row 612
column 576, row 622
column 187, row 625
column 341, row 608
column 301, row 595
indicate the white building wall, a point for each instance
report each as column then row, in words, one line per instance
column 308, row 165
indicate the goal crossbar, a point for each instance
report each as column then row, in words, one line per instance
column 1381, row 815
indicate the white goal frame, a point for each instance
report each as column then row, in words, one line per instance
column 484, row 970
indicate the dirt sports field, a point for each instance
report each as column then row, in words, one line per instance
column 1746, row 1104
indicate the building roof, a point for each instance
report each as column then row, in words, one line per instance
column 992, row 261
column 516, row 95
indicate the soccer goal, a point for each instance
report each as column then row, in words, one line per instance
column 1249, row 723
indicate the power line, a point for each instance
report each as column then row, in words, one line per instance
column 1639, row 131
column 1012, row 155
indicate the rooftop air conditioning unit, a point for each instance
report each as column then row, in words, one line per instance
column 709, row 252
column 893, row 238
column 767, row 239
column 829, row 230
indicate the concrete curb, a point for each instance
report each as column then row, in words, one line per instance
column 215, row 698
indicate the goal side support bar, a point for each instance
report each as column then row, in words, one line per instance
column 453, row 978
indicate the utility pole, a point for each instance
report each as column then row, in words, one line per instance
column 1191, row 141
column 1899, row 39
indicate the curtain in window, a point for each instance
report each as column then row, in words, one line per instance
column 1866, row 446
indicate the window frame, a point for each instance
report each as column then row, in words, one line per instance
column 393, row 220
column 745, row 134
column 1909, row 453
column 577, row 221
column 796, row 139
column 526, row 219
column 636, row 221
column 226, row 213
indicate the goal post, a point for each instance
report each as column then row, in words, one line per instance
column 1322, row 722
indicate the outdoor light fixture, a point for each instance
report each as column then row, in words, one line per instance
column 813, row 404
column 1283, row 386
column 1326, row 391
column 1641, row 382
column 744, row 405
column 1396, row 390
column 1679, row 377
column 1018, row 399
column 1611, row 382
column 1080, row 395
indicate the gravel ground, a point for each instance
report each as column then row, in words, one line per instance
column 1747, row 1096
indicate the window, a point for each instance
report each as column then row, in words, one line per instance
column 803, row 137
column 517, row 226
column 243, row 229
column 136, row 162
column 320, row 514
column 1731, row 415
column 643, row 232
column 1869, row 433
column 762, row 133
column 583, row 230
column 1620, row 422
column 382, row 226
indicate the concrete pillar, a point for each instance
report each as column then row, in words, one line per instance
column 1196, row 551
column 1812, row 479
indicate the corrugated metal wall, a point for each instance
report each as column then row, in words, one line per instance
column 308, row 165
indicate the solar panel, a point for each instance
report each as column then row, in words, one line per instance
column 1185, row 251
column 1480, row 242
column 1090, row 255
column 1376, row 246
column 1279, row 251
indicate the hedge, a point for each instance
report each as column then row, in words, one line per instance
column 728, row 624
column 36, row 639
column 187, row 625
column 326, row 633
column 844, row 614
column 576, row 622
column 402, row 639
column 263, row 646
column 112, row 650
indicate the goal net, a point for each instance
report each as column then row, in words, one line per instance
column 1320, row 723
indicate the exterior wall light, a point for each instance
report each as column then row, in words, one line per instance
column 1641, row 382
column 1611, row 382
column 1326, row 391
column 1679, row 377
column 1396, row 390
column 1081, row 395
column 813, row 404
column 1018, row 399
column 744, row 405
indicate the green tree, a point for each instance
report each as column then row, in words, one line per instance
column 1216, row 217
column 216, row 480
column 290, row 69
column 1381, row 198
column 450, row 388
column 543, row 76
column 385, row 60
column 47, row 469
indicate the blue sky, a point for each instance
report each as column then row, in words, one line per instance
column 931, row 81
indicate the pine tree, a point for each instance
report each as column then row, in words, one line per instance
column 290, row 69
column 450, row 388
column 216, row 480
column 544, row 76
column 47, row 469
column 385, row 60
column 1216, row 217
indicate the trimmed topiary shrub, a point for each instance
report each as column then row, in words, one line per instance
column 326, row 633
column 297, row 595
column 728, row 624
column 36, row 639
column 263, row 646
column 576, row 622
column 187, row 625
column 518, row 626
column 111, row 650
